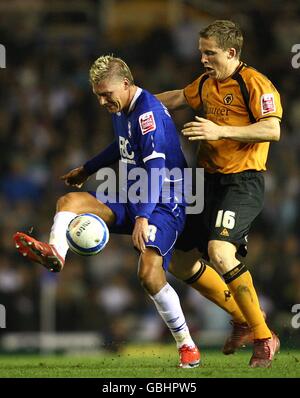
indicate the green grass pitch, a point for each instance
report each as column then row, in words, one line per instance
column 150, row 361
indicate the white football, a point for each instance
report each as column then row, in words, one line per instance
column 87, row 234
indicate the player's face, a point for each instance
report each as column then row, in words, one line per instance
column 217, row 62
column 113, row 94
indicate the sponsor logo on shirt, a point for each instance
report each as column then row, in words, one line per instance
column 147, row 122
column 224, row 232
column 267, row 104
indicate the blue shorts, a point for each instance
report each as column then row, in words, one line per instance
column 165, row 225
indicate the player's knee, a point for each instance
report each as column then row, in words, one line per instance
column 67, row 202
column 222, row 255
column 150, row 273
column 146, row 276
column 184, row 264
column 214, row 253
column 64, row 202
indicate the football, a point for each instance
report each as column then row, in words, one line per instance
column 87, row 234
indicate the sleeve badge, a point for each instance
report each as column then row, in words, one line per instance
column 267, row 104
column 147, row 122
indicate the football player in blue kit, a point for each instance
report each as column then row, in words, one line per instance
column 145, row 140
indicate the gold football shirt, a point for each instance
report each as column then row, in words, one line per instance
column 243, row 98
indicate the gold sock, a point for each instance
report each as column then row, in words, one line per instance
column 239, row 282
column 210, row 284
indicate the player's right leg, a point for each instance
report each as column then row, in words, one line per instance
column 166, row 300
column 52, row 255
column 240, row 283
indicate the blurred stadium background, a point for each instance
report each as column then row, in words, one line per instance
column 50, row 122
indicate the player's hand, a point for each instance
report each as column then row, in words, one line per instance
column 202, row 129
column 140, row 233
column 75, row 177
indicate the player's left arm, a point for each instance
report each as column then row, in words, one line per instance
column 267, row 129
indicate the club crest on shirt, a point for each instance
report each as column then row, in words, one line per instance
column 228, row 99
column 147, row 122
column 267, row 104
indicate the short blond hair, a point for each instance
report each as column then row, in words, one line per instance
column 108, row 67
column 226, row 33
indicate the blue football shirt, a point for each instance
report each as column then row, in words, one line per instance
column 148, row 142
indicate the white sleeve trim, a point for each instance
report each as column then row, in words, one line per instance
column 154, row 155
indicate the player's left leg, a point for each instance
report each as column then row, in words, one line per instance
column 198, row 274
column 166, row 300
column 52, row 255
column 188, row 267
column 69, row 206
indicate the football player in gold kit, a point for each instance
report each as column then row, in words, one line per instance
column 242, row 113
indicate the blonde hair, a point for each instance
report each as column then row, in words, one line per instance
column 107, row 67
column 226, row 33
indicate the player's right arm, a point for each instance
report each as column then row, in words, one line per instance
column 78, row 176
column 173, row 100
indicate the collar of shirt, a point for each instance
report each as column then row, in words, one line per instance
column 134, row 99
